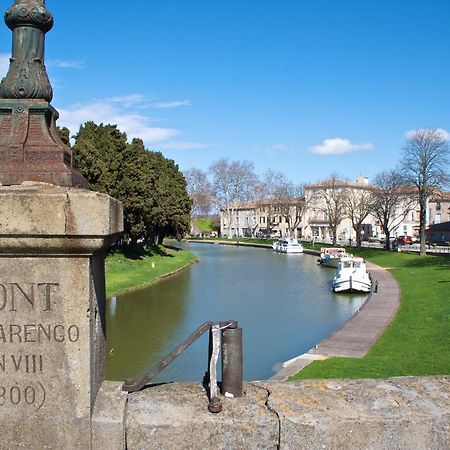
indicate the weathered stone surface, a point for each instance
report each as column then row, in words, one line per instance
column 30, row 211
column 52, row 301
column 108, row 418
column 176, row 416
column 399, row 413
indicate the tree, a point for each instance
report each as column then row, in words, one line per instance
column 424, row 165
column 331, row 199
column 359, row 203
column 135, row 190
column 99, row 151
column 292, row 205
column 270, row 190
column 200, row 190
column 170, row 214
column 233, row 182
column 392, row 201
column 150, row 187
column 64, row 135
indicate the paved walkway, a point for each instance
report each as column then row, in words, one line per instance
column 360, row 332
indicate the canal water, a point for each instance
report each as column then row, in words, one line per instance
column 284, row 304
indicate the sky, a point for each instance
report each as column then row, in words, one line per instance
column 304, row 87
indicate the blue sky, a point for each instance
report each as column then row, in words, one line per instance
column 303, row 87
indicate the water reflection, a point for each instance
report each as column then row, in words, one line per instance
column 284, row 304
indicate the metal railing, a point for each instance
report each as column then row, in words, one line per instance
column 225, row 336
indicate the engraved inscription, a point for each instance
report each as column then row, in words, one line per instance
column 30, row 295
column 30, row 332
column 33, row 394
column 38, row 333
column 22, row 363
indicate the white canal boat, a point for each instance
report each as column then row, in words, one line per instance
column 330, row 256
column 352, row 276
column 287, row 245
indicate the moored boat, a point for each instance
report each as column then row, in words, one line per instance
column 287, row 245
column 352, row 276
column 330, row 256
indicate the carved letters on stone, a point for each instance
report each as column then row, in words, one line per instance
column 42, row 331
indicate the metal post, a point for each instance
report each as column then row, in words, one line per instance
column 215, row 405
column 232, row 362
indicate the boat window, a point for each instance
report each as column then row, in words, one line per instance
column 357, row 265
column 346, row 264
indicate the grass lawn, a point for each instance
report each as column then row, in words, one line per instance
column 204, row 224
column 418, row 340
column 140, row 267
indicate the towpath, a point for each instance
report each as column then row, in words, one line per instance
column 360, row 332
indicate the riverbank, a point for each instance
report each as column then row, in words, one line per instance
column 416, row 342
column 138, row 267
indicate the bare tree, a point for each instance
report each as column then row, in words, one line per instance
column 392, row 201
column 331, row 200
column 200, row 190
column 424, row 165
column 269, row 190
column 292, row 204
column 359, row 204
column 233, row 182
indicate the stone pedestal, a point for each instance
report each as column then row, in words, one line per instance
column 52, row 302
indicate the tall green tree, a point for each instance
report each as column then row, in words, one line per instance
column 172, row 205
column 100, row 151
column 64, row 135
column 151, row 188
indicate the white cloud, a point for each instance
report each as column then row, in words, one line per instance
column 116, row 110
column 63, row 64
column 171, row 105
column 4, row 63
column 338, row 146
column 445, row 134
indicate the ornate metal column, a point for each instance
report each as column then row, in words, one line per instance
column 30, row 148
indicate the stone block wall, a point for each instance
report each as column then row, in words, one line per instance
column 399, row 413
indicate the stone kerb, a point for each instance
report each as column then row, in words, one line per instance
column 52, row 302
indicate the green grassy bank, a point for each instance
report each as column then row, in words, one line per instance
column 137, row 267
column 418, row 340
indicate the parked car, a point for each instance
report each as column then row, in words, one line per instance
column 403, row 240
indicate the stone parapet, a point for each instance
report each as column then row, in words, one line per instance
column 398, row 413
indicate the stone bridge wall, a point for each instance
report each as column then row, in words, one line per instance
column 398, row 413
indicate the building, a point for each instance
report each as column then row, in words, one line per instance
column 260, row 218
column 279, row 218
column 439, row 208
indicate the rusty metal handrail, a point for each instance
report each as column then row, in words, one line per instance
column 131, row 386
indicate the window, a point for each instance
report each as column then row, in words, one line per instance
column 438, row 206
